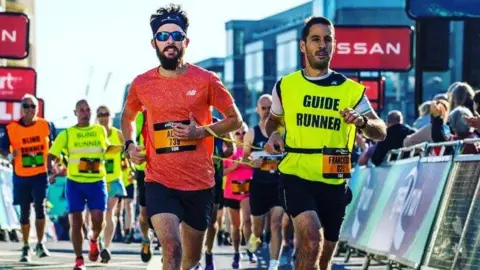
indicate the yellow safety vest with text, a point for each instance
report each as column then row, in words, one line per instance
column 86, row 147
column 113, row 162
column 313, row 121
column 140, row 122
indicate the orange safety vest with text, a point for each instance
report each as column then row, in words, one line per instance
column 31, row 144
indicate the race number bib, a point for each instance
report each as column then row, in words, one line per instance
column 109, row 165
column 165, row 142
column 269, row 165
column 89, row 165
column 33, row 160
column 336, row 163
column 240, row 187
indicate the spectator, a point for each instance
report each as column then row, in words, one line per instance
column 366, row 156
column 441, row 96
column 462, row 95
column 451, row 87
column 360, row 147
column 458, row 122
column 440, row 109
column 424, row 115
column 476, row 102
column 396, row 133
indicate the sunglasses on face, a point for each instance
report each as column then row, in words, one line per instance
column 28, row 106
column 265, row 108
column 240, row 133
column 176, row 36
column 99, row 115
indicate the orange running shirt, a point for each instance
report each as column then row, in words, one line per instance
column 189, row 166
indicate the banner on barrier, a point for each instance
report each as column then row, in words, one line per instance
column 367, row 187
column 419, row 210
column 8, row 214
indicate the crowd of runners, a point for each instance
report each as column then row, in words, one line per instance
column 281, row 182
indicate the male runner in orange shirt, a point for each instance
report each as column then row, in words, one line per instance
column 179, row 173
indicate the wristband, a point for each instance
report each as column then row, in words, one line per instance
column 365, row 121
column 127, row 144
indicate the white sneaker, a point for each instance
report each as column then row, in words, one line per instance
column 274, row 264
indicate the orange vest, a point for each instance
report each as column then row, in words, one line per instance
column 31, row 144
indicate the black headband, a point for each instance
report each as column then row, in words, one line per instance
column 158, row 20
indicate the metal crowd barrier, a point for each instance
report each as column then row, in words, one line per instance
column 420, row 209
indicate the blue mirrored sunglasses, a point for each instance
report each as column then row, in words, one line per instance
column 176, row 36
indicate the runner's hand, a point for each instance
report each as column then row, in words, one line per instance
column 135, row 153
column 51, row 178
column 275, row 144
column 352, row 117
column 131, row 177
column 257, row 163
column 188, row 132
column 473, row 122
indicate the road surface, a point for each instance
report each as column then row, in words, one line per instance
column 126, row 257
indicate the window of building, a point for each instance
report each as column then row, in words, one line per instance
column 239, row 37
column 287, row 52
column 230, row 42
column 254, row 60
column 228, row 70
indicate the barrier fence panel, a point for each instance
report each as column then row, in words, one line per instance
column 455, row 206
column 389, row 208
column 366, row 192
column 8, row 212
column 468, row 253
column 356, row 184
column 416, row 205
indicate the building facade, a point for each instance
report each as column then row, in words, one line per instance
column 260, row 52
column 27, row 7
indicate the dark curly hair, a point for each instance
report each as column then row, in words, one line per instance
column 309, row 22
column 171, row 9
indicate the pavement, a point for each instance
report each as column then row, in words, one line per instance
column 126, row 256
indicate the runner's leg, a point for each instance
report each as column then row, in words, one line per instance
column 165, row 211
column 197, row 218
column 22, row 191
column 39, row 193
column 111, row 221
column 276, row 214
column 97, row 205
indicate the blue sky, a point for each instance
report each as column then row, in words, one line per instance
column 114, row 36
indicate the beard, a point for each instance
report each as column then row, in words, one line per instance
column 170, row 63
column 322, row 64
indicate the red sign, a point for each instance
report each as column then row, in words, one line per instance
column 374, row 89
column 16, row 82
column 373, row 48
column 14, row 35
column 12, row 110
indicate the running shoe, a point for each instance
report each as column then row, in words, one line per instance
column 41, row 251
column 79, row 264
column 94, row 251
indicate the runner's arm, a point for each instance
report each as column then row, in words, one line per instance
column 375, row 128
column 275, row 118
column 5, row 144
column 248, row 141
column 130, row 110
column 56, row 150
column 229, row 146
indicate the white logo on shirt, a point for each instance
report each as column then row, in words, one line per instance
column 191, row 92
column 334, row 83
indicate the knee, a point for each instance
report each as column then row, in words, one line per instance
column 275, row 226
column 172, row 246
column 311, row 243
column 25, row 214
column 40, row 209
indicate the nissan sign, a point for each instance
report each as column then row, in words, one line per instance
column 373, row 48
column 16, row 82
column 14, row 35
column 12, row 110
